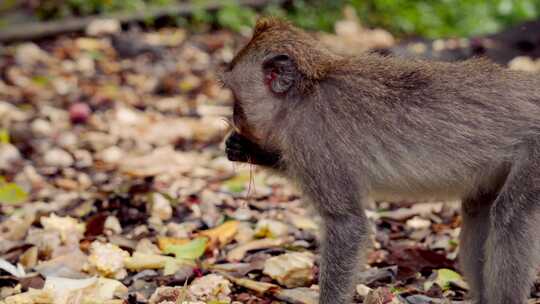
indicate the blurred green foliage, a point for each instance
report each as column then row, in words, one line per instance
column 428, row 18
column 316, row 14
column 235, row 17
column 443, row 18
column 232, row 15
column 48, row 9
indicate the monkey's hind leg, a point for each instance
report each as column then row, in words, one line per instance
column 512, row 246
column 474, row 232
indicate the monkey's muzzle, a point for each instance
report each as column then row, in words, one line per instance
column 238, row 147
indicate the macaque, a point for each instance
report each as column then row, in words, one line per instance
column 347, row 129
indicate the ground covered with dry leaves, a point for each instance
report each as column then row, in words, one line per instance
column 115, row 188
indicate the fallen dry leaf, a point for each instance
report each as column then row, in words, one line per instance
column 141, row 261
column 299, row 295
column 239, row 252
column 291, row 269
column 221, row 235
column 259, row 287
column 164, row 242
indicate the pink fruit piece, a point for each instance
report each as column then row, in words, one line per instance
column 79, row 112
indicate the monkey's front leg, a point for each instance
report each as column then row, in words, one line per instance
column 345, row 237
column 240, row 149
column 338, row 196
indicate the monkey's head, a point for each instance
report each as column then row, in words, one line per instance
column 278, row 66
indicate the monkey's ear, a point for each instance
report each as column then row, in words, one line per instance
column 280, row 73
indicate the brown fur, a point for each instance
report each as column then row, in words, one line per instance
column 371, row 126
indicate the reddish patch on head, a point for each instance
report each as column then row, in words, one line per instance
column 270, row 77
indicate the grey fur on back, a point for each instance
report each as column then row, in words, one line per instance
column 419, row 128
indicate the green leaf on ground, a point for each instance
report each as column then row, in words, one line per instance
column 12, row 194
column 189, row 251
column 4, row 136
column 443, row 278
column 238, row 183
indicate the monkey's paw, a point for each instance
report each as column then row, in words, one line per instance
column 238, row 148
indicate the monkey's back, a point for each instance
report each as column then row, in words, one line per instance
column 423, row 127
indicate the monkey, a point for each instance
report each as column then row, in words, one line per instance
column 347, row 129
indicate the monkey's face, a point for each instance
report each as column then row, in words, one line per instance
column 261, row 85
